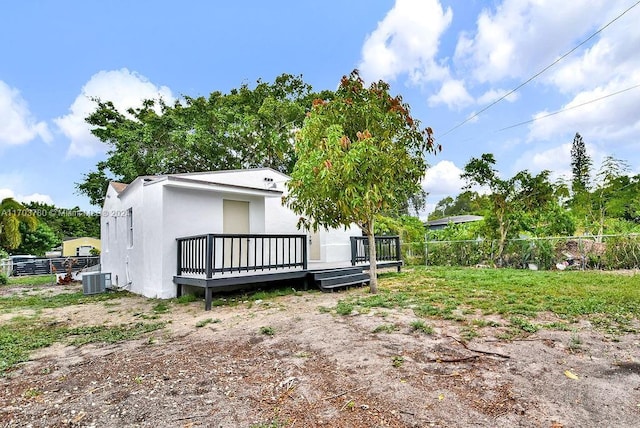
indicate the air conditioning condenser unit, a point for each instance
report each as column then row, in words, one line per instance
column 95, row 283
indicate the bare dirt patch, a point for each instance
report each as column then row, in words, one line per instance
column 318, row 368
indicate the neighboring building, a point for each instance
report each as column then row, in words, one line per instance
column 142, row 221
column 441, row 223
column 80, row 246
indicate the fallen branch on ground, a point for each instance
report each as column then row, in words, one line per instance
column 452, row 360
column 497, row 354
column 344, row 393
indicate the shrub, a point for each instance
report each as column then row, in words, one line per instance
column 3, row 279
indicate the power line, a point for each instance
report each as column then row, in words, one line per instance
column 569, row 108
column 540, row 72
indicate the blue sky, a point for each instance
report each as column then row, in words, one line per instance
column 448, row 59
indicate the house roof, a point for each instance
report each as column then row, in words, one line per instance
column 191, row 178
column 456, row 219
column 214, row 185
column 188, row 174
column 70, row 238
column 117, row 186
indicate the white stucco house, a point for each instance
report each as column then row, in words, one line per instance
column 142, row 223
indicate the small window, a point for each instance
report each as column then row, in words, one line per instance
column 105, row 243
column 130, row 227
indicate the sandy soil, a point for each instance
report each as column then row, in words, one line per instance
column 320, row 369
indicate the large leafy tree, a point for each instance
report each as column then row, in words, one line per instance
column 520, row 203
column 247, row 127
column 66, row 222
column 580, row 165
column 12, row 215
column 615, row 196
column 359, row 155
column 467, row 202
column 37, row 241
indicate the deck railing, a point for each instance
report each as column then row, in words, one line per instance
column 213, row 253
column 387, row 249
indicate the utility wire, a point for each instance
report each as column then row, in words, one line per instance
column 569, row 108
column 541, row 71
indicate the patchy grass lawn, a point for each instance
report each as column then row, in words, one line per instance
column 436, row 347
column 609, row 300
column 20, row 335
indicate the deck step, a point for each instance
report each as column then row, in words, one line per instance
column 344, row 285
column 320, row 274
column 330, row 280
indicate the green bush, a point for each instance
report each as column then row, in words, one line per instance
column 3, row 279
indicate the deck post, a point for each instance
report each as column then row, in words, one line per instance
column 304, row 252
column 209, row 254
column 179, row 259
column 354, row 250
column 398, row 251
column 208, row 296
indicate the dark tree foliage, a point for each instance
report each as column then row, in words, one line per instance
column 38, row 241
column 467, row 202
column 524, row 202
column 247, row 127
column 66, row 222
column 580, row 165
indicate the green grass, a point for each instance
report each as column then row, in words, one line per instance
column 186, row 298
column 204, row 322
column 422, row 327
column 37, row 302
column 32, row 280
column 267, row 330
column 385, row 328
column 513, row 294
column 161, row 308
column 397, row 361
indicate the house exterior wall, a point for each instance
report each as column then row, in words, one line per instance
column 161, row 214
column 165, row 209
column 70, row 246
column 335, row 244
column 189, row 212
column 125, row 262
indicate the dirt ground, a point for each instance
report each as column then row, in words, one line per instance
column 320, row 369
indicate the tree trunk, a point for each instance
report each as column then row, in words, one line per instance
column 373, row 269
column 501, row 243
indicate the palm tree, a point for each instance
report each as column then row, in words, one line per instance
column 13, row 213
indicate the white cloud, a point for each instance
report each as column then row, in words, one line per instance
column 556, row 159
column 453, row 94
column 406, row 41
column 443, row 179
column 494, row 94
column 612, row 56
column 124, row 88
column 34, row 197
column 611, row 119
column 520, row 37
column 17, row 125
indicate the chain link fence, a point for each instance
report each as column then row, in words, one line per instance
column 571, row 252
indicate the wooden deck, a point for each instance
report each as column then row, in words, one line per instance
column 326, row 276
column 223, row 263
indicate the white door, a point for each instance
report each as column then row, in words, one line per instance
column 235, row 219
column 314, row 246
